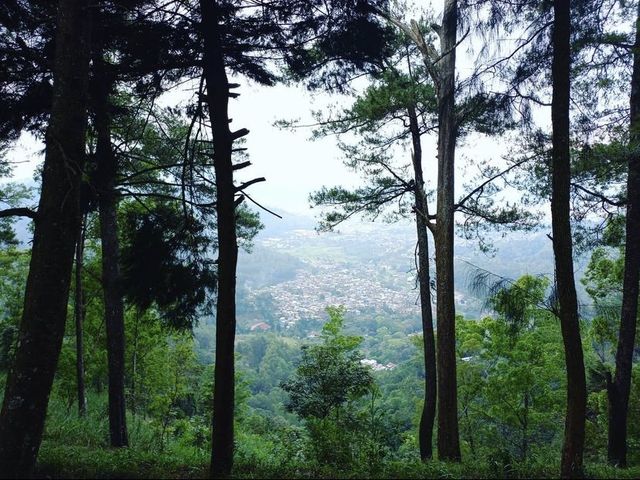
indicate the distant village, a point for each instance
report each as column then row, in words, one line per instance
column 359, row 286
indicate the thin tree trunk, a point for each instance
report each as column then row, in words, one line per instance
column 427, row 419
column 56, row 228
column 134, row 364
column 442, row 71
column 525, row 428
column 448, row 435
column 79, row 314
column 217, row 102
column 619, row 389
column 108, row 212
column 573, row 445
column 472, row 446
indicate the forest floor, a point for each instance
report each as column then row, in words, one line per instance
column 63, row 461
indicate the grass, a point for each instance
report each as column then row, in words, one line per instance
column 77, row 448
column 73, row 461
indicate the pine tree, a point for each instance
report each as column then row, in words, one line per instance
column 56, row 226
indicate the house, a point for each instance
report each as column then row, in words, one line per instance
column 260, row 326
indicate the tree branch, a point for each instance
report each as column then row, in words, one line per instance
column 619, row 203
column 480, row 188
column 19, row 212
column 429, row 54
column 244, row 185
column 261, row 206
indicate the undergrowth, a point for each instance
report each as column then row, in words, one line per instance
column 76, row 447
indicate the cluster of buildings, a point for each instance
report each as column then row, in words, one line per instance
column 375, row 366
column 358, row 289
column 345, row 270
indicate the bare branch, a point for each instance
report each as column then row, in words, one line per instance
column 599, row 196
column 18, row 212
column 244, row 185
column 239, row 133
column 480, row 188
column 239, row 166
column 261, row 206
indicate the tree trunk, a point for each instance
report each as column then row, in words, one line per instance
column 79, row 314
column 217, row 102
column 425, row 431
column 448, row 436
column 525, row 428
column 134, row 364
column 472, row 446
column 573, row 445
column 56, row 228
column 618, row 390
column 108, row 212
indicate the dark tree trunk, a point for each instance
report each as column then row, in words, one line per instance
column 425, row 431
column 618, row 389
column 524, row 449
column 56, row 228
column 108, row 212
column 472, row 443
column 573, row 445
column 217, row 103
column 134, row 365
column 448, row 436
column 79, row 314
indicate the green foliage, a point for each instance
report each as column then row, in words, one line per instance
column 372, row 436
column 167, row 263
column 76, row 447
column 326, row 390
column 380, row 119
column 596, row 433
column 519, row 302
column 168, row 229
column 329, row 375
column 603, row 276
column 603, row 165
column 388, row 98
column 511, row 387
column 484, row 113
column 615, row 230
column 14, row 264
column 603, row 282
column 12, row 195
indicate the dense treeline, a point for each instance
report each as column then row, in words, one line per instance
column 140, row 217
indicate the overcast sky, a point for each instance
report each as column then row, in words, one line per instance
column 293, row 165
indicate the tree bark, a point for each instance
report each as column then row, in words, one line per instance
column 427, row 419
column 47, row 291
column 79, row 315
column 442, row 68
column 525, row 428
column 108, row 212
column 448, row 435
column 217, row 103
column 573, row 445
column 618, row 390
column 134, row 364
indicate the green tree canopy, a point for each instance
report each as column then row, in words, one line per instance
column 330, row 374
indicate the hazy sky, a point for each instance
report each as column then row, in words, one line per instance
column 293, row 165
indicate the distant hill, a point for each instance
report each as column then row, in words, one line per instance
column 294, row 272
